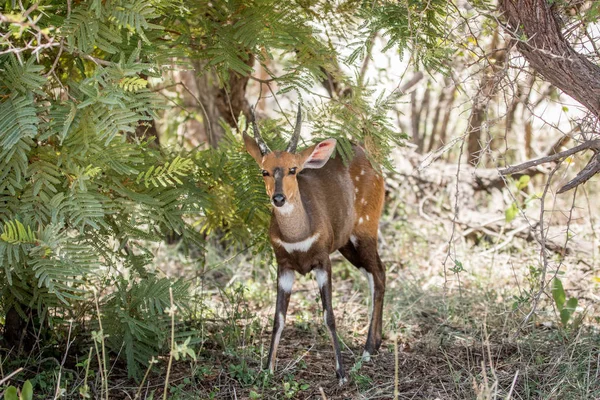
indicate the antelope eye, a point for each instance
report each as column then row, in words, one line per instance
column 265, row 172
column 293, row 171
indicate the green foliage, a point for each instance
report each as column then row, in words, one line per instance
column 82, row 193
column 415, row 26
column 166, row 175
column 26, row 392
column 72, row 209
column 565, row 307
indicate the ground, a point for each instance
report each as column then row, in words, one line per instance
column 457, row 317
column 455, row 322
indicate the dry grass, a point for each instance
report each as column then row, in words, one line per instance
column 460, row 331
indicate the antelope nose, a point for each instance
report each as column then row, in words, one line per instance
column 279, row 200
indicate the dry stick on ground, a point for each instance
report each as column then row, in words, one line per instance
column 6, row 378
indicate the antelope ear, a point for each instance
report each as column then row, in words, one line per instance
column 252, row 148
column 317, row 156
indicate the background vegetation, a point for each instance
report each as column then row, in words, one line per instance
column 134, row 260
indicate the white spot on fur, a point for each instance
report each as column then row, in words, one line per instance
column 321, row 276
column 362, row 171
column 360, row 220
column 367, row 217
column 303, row 245
column 356, row 190
column 285, row 209
column 364, row 201
column 286, row 280
column 357, row 178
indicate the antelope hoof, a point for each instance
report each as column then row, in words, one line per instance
column 343, row 381
column 366, row 357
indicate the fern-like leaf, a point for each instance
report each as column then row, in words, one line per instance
column 166, row 175
column 18, row 121
column 16, row 233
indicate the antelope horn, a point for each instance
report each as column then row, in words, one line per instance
column 294, row 141
column 264, row 149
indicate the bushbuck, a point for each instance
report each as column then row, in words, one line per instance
column 321, row 205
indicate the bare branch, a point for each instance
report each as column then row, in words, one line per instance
column 584, row 175
column 591, row 144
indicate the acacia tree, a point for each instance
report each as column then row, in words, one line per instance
column 539, row 29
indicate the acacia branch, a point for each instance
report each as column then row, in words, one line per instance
column 591, row 144
column 549, row 53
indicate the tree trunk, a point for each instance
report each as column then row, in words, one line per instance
column 540, row 40
column 202, row 91
column 487, row 89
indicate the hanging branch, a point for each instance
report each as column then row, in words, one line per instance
column 583, row 176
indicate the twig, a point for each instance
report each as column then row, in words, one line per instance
column 102, row 366
column 454, row 218
column 7, row 377
column 368, row 56
column 544, row 254
column 55, row 63
column 408, row 85
column 57, row 393
column 591, row 144
column 170, row 363
column 591, row 169
column 514, row 382
column 208, row 124
column 322, row 393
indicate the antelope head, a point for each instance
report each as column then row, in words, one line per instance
column 281, row 168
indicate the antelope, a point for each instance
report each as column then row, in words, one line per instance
column 321, row 205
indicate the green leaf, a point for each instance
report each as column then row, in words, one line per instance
column 18, row 120
column 27, row 391
column 558, row 293
column 571, row 304
column 11, row 393
column 523, row 182
column 565, row 315
column 511, row 212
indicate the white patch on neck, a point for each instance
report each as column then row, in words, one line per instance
column 321, row 276
column 303, row 245
column 286, row 280
column 354, row 240
column 285, row 209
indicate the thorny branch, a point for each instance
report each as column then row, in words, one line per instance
column 583, row 176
